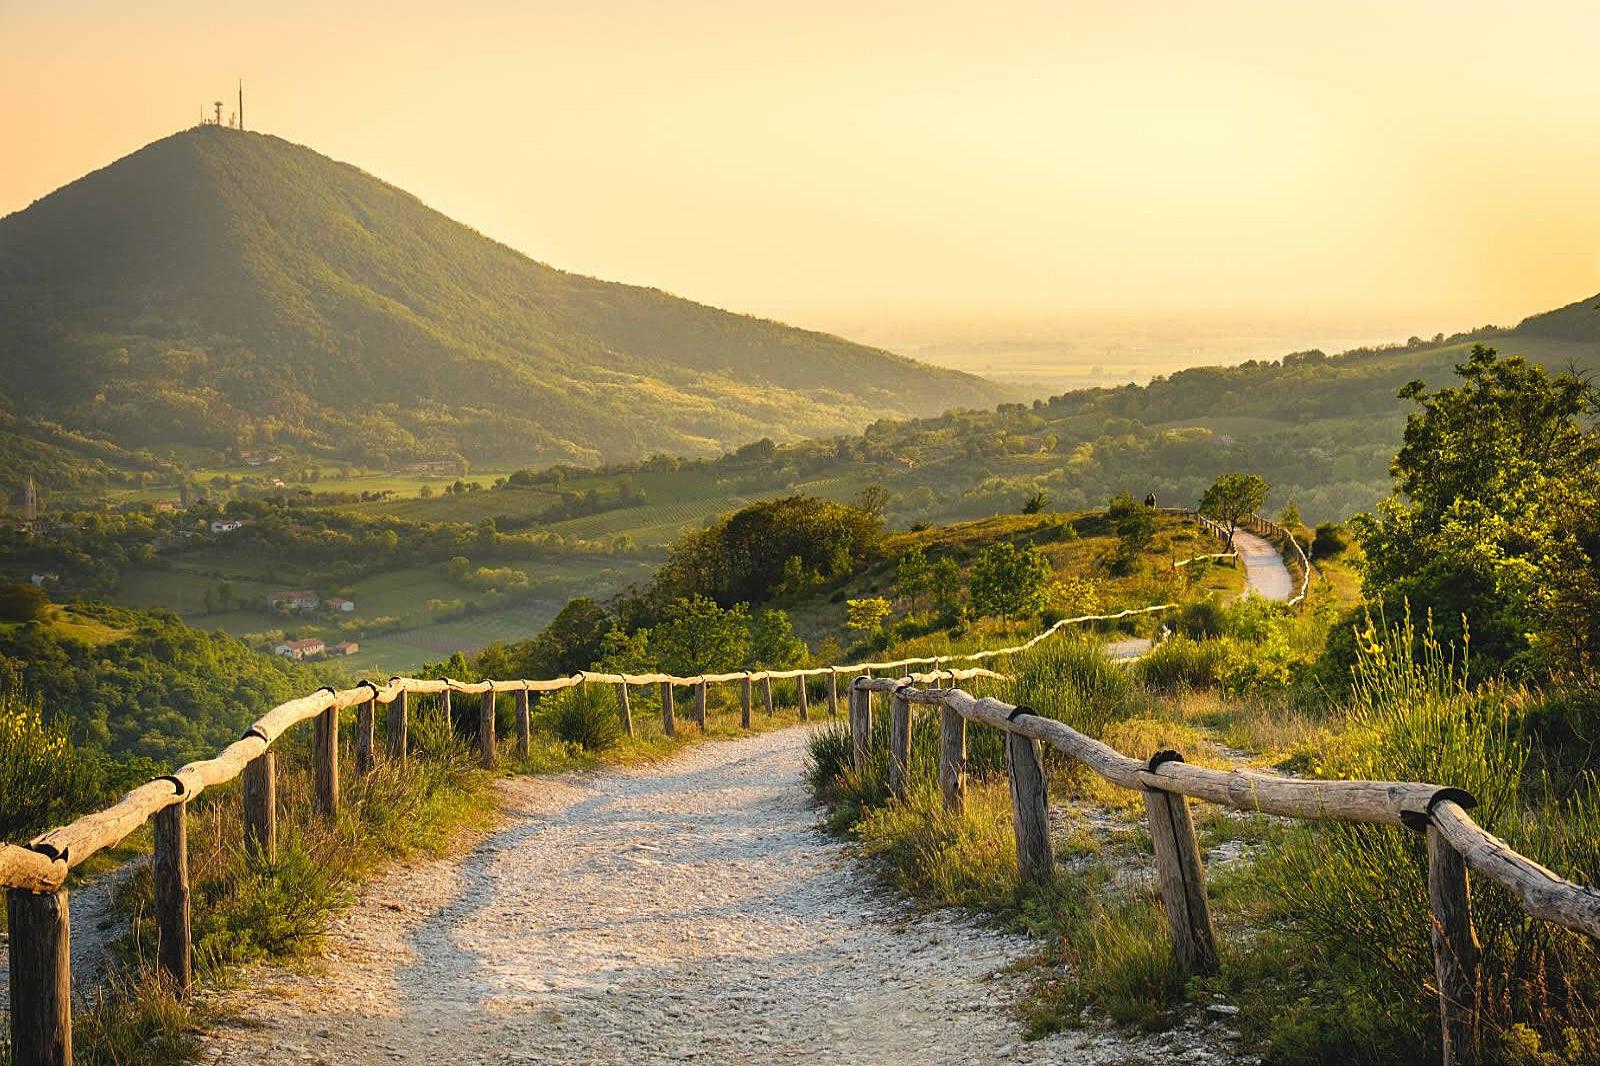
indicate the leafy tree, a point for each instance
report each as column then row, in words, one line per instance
column 1232, row 497
column 1289, row 517
column 866, row 615
column 873, row 499
column 773, row 643
column 572, row 641
column 696, row 637
column 944, row 587
column 21, row 602
column 1495, row 515
column 742, row 559
column 1009, row 582
column 912, row 577
column 1036, row 502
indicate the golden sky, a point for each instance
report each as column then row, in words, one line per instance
column 858, row 163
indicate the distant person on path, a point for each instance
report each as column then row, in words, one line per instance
column 1150, row 499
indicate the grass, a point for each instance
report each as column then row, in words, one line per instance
column 1323, row 926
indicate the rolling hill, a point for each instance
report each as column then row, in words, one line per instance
column 227, row 290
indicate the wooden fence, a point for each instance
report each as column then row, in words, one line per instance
column 35, row 874
column 1455, row 844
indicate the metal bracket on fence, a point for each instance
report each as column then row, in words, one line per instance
column 1020, row 711
column 1163, row 756
column 255, row 731
column 1418, row 821
column 177, row 785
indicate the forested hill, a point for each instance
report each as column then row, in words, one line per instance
column 228, row 289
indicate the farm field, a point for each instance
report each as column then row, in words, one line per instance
column 400, row 596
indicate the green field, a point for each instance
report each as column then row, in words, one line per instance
column 401, row 595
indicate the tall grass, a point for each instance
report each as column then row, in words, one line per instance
column 1354, row 897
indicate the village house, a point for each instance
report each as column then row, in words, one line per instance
column 297, row 650
column 226, row 525
column 339, row 603
column 166, row 506
column 294, row 600
column 346, row 647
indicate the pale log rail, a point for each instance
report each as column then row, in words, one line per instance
column 34, row 874
column 1456, row 844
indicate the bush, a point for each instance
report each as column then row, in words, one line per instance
column 43, row 778
column 1181, row 662
column 1202, row 619
column 1331, row 539
column 585, row 715
column 1074, row 681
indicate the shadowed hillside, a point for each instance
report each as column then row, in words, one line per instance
column 228, row 289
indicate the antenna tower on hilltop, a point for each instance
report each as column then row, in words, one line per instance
column 218, row 105
column 241, row 106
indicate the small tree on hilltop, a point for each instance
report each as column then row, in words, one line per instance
column 1009, row 582
column 866, row 615
column 912, row 577
column 698, row 637
column 944, row 587
column 1232, row 497
column 1036, row 502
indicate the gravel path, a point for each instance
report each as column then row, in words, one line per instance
column 1264, row 571
column 689, row 910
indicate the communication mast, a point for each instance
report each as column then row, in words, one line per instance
column 241, row 106
column 217, row 104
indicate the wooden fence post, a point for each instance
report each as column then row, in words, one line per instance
column 365, row 715
column 700, row 705
column 1030, row 809
column 260, row 787
column 1181, row 875
column 524, row 723
column 325, row 753
column 449, row 715
column 766, row 693
column 833, row 693
column 860, row 726
column 1455, row 951
column 744, row 701
column 174, row 951
column 399, row 724
column 801, row 700
column 41, row 977
column 669, row 721
column 488, row 750
column 953, row 759
column 899, row 744
column 623, row 708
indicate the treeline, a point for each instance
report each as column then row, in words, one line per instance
column 157, row 688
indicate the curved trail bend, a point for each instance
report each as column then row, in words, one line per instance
column 690, row 910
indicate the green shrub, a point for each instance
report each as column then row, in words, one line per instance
column 1181, row 662
column 137, row 1019
column 585, row 715
column 1202, row 619
column 43, row 778
column 1074, row 681
column 1332, row 539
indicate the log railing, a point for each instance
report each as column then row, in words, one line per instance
column 35, row 874
column 1456, row 844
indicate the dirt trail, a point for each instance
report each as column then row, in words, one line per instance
column 686, row 911
column 1265, row 573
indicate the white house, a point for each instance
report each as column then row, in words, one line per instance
column 227, row 525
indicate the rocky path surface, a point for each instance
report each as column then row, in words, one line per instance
column 1265, row 573
column 687, row 911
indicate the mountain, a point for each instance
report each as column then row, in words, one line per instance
column 222, row 289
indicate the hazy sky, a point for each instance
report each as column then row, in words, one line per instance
column 846, row 164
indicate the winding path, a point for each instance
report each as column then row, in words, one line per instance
column 691, row 910
column 1265, row 573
